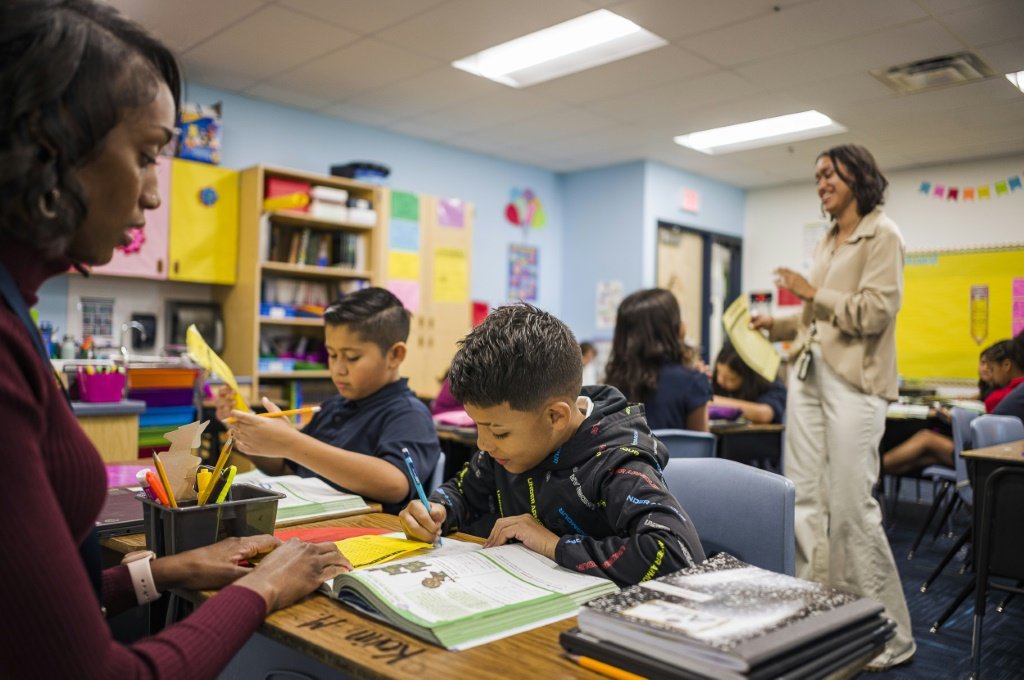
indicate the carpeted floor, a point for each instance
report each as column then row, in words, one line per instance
column 946, row 654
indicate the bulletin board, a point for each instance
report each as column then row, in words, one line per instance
column 955, row 304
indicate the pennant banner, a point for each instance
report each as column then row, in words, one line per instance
column 983, row 192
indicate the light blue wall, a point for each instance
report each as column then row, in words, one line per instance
column 256, row 131
column 604, row 226
column 53, row 302
column 721, row 208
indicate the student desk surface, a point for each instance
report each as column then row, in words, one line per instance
column 362, row 647
column 983, row 463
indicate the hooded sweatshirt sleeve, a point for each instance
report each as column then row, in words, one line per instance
column 469, row 494
column 652, row 535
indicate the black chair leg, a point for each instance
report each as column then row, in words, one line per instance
column 1006, row 600
column 936, row 502
column 964, row 537
column 951, row 609
column 953, row 504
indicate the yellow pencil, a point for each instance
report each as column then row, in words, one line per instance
column 603, row 668
column 279, row 414
column 204, row 495
column 163, row 479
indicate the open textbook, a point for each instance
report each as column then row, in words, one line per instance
column 461, row 595
column 755, row 349
column 725, row 618
column 306, row 498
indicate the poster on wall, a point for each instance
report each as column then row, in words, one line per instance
column 522, row 272
column 609, row 295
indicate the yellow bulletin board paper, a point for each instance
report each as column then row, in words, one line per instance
column 366, row 551
column 755, row 349
column 403, row 265
column 451, row 275
column 934, row 328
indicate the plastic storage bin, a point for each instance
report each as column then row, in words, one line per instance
column 248, row 510
column 100, row 387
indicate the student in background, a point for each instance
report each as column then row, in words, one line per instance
column 589, row 354
column 843, row 373
column 355, row 442
column 89, row 101
column 1013, row 403
column 650, row 362
column 737, row 385
column 1005, row 368
column 575, row 477
column 444, row 402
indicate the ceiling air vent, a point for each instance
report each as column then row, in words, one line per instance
column 954, row 69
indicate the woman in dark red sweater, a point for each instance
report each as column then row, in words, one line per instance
column 89, row 100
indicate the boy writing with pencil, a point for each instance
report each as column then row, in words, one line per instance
column 356, row 441
column 573, row 477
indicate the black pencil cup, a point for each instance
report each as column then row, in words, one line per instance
column 247, row 511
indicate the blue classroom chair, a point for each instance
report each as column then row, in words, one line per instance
column 687, row 443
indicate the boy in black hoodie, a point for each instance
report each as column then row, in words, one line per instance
column 576, row 478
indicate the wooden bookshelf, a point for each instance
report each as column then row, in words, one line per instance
column 245, row 325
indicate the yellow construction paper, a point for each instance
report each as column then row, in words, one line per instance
column 366, row 551
column 403, row 265
column 201, row 353
column 451, row 275
column 753, row 348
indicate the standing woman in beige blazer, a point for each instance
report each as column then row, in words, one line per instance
column 843, row 375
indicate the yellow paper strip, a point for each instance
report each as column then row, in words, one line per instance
column 366, row 551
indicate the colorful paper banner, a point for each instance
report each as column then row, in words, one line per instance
column 981, row 192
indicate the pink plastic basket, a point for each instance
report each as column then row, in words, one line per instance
column 100, row 387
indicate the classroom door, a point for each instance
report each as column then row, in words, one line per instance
column 680, row 269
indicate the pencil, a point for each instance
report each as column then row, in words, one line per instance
column 604, row 669
column 163, row 479
column 204, row 495
column 279, row 414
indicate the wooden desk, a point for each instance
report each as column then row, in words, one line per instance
column 112, row 427
column 758, row 444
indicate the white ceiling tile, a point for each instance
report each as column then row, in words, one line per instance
column 287, row 96
column 176, row 22
column 364, row 65
column 946, row 6
column 987, row 24
column 1004, row 57
column 459, row 28
column 361, row 16
column 200, row 71
column 796, row 28
column 499, row 108
column 435, row 89
column 268, row 42
column 920, row 40
column 650, row 69
column 675, row 18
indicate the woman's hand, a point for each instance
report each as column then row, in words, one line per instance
column 293, row 570
column 795, row 281
column 256, row 436
column 763, row 321
column 213, row 566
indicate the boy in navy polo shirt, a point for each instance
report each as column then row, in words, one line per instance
column 573, row 476
column 355, row 442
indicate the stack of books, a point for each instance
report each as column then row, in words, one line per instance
column 727, row 619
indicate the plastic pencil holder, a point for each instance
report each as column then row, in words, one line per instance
column 247, row 511
column 100, row 387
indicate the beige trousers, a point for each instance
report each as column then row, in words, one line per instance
column 831, row 455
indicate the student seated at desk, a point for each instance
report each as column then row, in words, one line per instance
column 89, row 101
column 737, row 385
column 573, row 477
column 1013, row 403
column 1006, row 370
column 355, row 442
column 651, row 364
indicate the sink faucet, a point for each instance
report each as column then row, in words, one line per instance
column 124, row 346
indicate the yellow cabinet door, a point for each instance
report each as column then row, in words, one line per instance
column 204, row 224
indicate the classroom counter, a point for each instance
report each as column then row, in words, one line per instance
column 113, row 427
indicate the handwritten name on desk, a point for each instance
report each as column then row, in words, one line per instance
column 391, row 650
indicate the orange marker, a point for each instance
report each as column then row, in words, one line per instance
column 157, row 488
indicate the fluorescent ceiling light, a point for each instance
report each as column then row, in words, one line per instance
column 767, row 132
column 575, row 45
column 1017, row 79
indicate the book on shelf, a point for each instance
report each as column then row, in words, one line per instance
column 460, row 595
column 306, row 498
column 725, row 618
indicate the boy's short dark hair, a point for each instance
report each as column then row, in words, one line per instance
column 374, row 313
column 520, row 355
